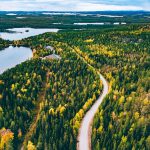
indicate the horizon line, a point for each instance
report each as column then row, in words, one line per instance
column 71, row 11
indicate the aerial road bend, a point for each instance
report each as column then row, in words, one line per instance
column 84, row 137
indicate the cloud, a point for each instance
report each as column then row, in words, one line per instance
column 90, row 7
column 73, row 5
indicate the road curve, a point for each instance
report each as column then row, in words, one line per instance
column 84, row 137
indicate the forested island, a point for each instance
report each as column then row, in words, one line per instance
column 43, row 101
column 3, row 43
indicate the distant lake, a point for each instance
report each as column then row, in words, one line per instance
column 100, row 23
column 59, row 13
column 21, row 17
column 21, row 33
column 96, row 23
column 110, row 16
column 12, row 56
column 11, row 14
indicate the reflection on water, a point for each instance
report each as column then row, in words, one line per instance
column 21, row 33
column 12, row 56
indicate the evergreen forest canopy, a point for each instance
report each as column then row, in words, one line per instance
column 42, row 102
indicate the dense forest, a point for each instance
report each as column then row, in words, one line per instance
column 19, row 88
column 68, row 87
column 122, row 121
column 123, row 57
column 3, row 43
column 50, row 96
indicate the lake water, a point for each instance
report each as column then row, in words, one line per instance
column 59, row 13
column 11, row 14
column 96, row 23
column 12, row 56
column 101, row 23
column 21, row 33
column 21, row 17
column 109, row 16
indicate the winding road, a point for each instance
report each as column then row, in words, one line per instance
column 85, row 131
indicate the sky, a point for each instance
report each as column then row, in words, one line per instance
column 73, row 5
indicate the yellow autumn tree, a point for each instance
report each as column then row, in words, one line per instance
column 5, row 137
column 30, row 146
column 1, row 96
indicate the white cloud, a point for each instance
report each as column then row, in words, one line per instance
column 90, row 7
column 69, row 5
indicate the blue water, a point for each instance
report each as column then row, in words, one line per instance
column 12, row 56
column 21, row 33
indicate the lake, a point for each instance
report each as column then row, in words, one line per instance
column 21, row 33
column 12, row 56
column 11, row 14
column 101, row 23
column 96, row 23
